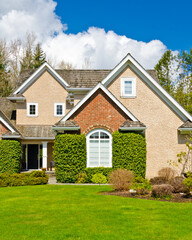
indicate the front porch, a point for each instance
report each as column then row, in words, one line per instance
column 37, row 155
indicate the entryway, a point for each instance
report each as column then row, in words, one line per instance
column 32, row 156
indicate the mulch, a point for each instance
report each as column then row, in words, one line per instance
column 176, row 197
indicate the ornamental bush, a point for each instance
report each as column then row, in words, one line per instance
column 129, row 152
column 99, row 178
column 162, row 191
column 121, row 179
column 69, row 156
column 21, row 179
column 10, row 156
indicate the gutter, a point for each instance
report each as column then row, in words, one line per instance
column 78, row 89
column 65, row 128
column 132, row 128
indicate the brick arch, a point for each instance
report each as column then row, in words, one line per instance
column 98, row 126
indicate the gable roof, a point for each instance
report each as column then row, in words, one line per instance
column 128, row 60
column 36, row 74
column 108, row 93
column 77, row 78
column 7, row 123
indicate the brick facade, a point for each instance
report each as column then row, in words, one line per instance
column 99, row 111
column 3, row 129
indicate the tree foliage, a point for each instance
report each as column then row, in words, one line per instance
column 175, row 75
column 5, row 84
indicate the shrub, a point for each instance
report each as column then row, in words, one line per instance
column 99, row 178
column 168, row 173
column 129, row 152
column 121, row 179
column 141, row 185
column 91, row 171
column 188, row 183
column 158, row 181
column 10, row 156
column 178, row 185
column 82, row 178
column 69, row 156
column 161, row 191
column 21, row 179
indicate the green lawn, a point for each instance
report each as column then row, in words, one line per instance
column 78, row 212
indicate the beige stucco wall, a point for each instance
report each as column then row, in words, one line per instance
column 45, row 91
column 163, row 140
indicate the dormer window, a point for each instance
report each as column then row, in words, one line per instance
column 128, row 87
column 32, row 109
column 59, row 109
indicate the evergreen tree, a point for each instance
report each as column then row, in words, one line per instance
column 38, row 57
column 27, row 61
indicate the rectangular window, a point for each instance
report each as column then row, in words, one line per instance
column 128, row 87
column 59, row 109
column 32, row 109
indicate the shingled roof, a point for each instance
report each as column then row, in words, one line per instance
column 7, row 107
column 187, row 124
column 36, row 131
column 78, row 78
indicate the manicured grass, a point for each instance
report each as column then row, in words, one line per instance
column 78, row 212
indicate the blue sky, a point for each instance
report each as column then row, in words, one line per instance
column 98, row 34
column 168, row 21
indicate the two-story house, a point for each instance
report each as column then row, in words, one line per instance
column 96, row 103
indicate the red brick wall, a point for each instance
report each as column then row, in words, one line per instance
column 99, row 112
column 3, row 129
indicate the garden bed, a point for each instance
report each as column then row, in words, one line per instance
column 176, row 197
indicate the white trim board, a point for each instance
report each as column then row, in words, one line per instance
column 37, row 73
column 162, row 93
column 109, row 94
column 7, row 125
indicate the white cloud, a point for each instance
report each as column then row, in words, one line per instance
column 102, row 49
column 20, row 16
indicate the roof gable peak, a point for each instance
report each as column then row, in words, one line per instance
column 45, row 66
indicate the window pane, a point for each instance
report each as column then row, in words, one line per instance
column 104, row 153
column 94, row 153
column 95, row 135
column 32, row 109
column 128, row 87
column 103, row 135
column 59, row 109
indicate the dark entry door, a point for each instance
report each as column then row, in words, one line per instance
column 33, row 156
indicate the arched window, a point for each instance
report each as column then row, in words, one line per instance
column 99, row 148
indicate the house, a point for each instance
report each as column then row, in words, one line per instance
column 96, row 103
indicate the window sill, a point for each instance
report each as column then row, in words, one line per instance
column 128, row 97
column 32, row 116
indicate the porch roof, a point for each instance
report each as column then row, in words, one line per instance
column 40, row 131
column 66, row 125
column 132, row 126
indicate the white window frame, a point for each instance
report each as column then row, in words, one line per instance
column 110, row 147
column 28, row 109
column 133, row 94
column 55, row 109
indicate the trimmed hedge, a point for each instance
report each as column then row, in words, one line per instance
column 10, row 156
column 69, row 156
column 129, row 152
column 22, row 179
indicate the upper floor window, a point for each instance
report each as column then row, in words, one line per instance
column 99, row 148
column 32, row 109
column 59, row 109
column 128, row 87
